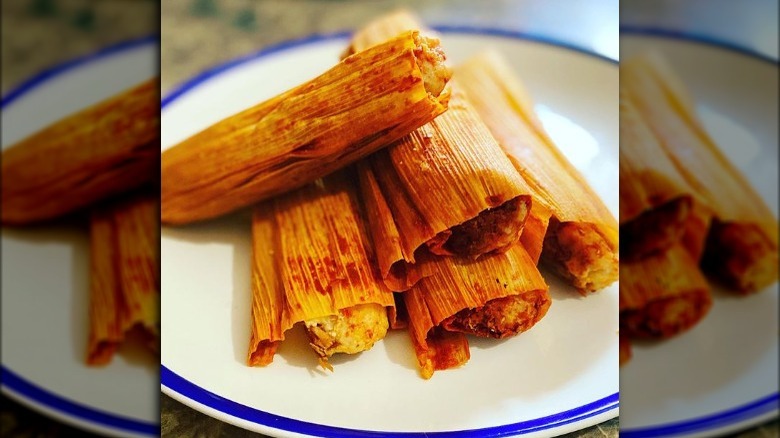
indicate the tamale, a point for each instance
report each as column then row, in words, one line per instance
column 581, row 241
column 447, row 187
column 103, row 150
column 497, row 296
column 124, row 289
column 362, row 104
column 535, row 229
column 662, row 295
column 656, row 203
column 313, row 263
column 741, row 248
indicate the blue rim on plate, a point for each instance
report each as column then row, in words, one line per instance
column 12, row 383
column 756, row 408
column 193, row 392
column 685, row 36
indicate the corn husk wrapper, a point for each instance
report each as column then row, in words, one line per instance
column 360, row 105
column 662, row 295
column 124, row 285
column 446, row 187
column 454, row 285
column 581, row 242
column 101, row 151
column 312, row 258
column 741, row 248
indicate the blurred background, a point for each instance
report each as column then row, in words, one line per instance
column 726, row 55
column 38, row 35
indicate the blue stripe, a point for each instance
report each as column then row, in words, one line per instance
column 702, row 39
column 10, row 379
column 722, row 419
column 45, row 75
column 194, row 392
column 60, row 404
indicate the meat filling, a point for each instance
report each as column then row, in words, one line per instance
column 430, row 58
column 353, row 330
column 495, row 229
column 580, row 254
column 501, row 317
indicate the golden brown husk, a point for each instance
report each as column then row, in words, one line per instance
column 590, row 263
column 453, row 284
column 124, row 289
column 744, row 252
column 452, row 161
column 312, row 258
column 106, row 149
column 362, row 104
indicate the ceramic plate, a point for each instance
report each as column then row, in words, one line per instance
column 45, row 272
column 728, row 378
column 558, row 377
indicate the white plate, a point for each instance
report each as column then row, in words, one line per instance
column 720, row 376
column 45, row 272
column 560, row 376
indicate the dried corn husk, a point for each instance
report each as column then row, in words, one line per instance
column 447, row 186
column 581, row 242
column 108, row 148
column 312, row 260
column 454, row 289
column 360, row 105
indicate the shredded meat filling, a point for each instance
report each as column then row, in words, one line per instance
column 495, row 229
column 353, row 330
column 578, row 253
column 501, row 317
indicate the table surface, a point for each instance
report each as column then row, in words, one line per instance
column 198, row 34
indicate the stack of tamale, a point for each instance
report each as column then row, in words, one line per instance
column 437, row 227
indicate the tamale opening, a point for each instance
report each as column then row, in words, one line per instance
column 495, row 229
column 501, row 317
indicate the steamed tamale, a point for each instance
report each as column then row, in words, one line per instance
column 124, row 289
column 362, row 104
column 447, row 187
column 581, row 241
column 106, row 149
column 313, row 263
column 497, row 296
column 662, row 294
column 741, row 247
column 658, row 208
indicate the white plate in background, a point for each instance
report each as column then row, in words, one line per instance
column 721, row 376
column 560, row 376
column 45, row 271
